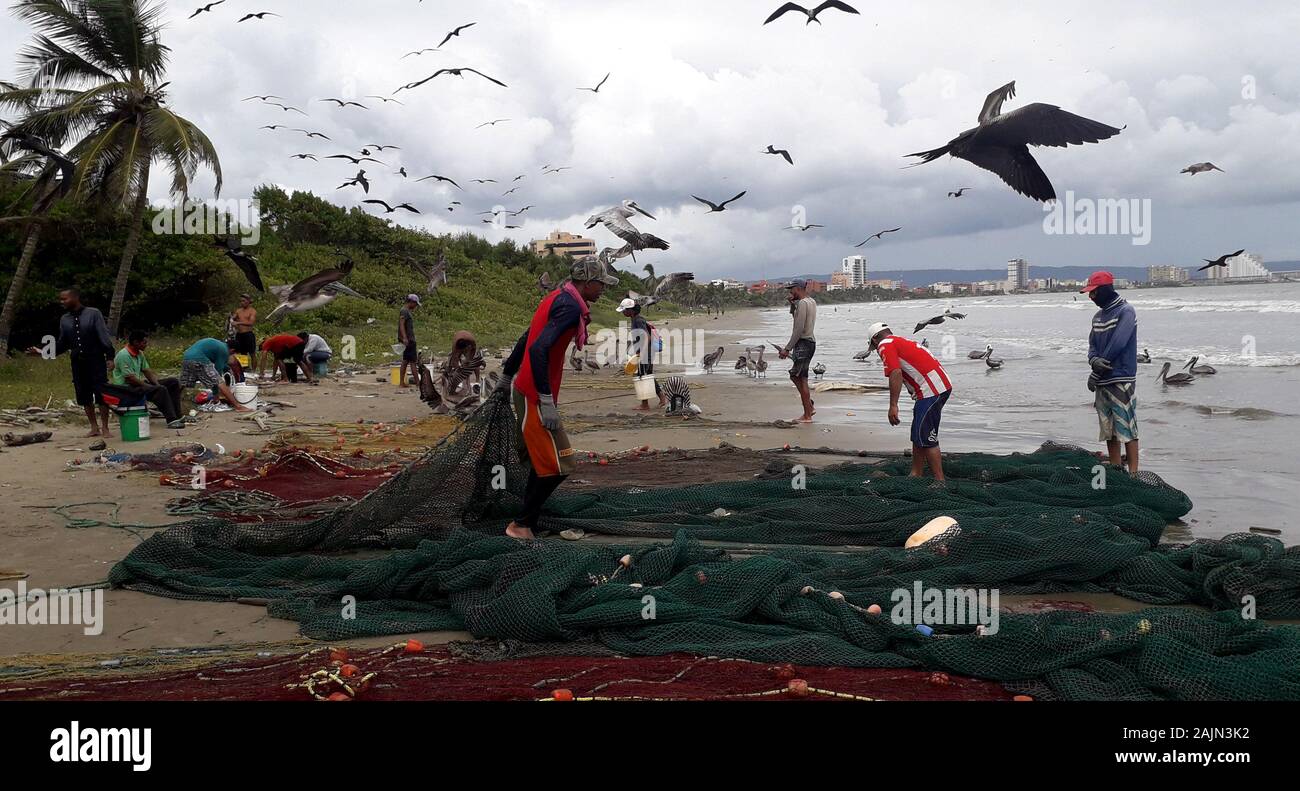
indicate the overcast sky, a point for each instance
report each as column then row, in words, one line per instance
column 699, row 89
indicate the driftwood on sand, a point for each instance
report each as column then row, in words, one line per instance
column 17, row 440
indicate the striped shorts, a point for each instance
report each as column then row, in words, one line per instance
column 1117, row 411
column 678, row 393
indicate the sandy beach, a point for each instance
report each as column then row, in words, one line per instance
column 599, row 409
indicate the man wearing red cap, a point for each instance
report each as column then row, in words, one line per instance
column 1112, row 355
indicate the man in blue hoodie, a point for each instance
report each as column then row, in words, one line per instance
column 1112, row 355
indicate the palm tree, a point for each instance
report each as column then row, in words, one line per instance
column 100, row 64
column 44, row 191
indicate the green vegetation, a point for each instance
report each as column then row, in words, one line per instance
column 183, row 287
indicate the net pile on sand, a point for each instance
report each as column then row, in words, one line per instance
column 1030, row 523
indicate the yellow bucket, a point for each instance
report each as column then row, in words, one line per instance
column 244, row 361
column 395, row 374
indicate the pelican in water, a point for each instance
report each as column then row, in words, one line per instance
column 1145, row 356
column 819, row 370
column 1176, row 379
column 865, row 354
column 980, row 355
column 615, row 219
column 312, row 293
column 711, row 360
column 990, row 362
column 1205, row 370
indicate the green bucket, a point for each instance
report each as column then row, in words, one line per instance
column 134, row 423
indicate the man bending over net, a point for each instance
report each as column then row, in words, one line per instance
column 536, row 367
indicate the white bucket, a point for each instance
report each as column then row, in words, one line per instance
column 245, row 393
column 645, row 387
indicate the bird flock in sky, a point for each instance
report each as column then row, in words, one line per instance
column 998, row 143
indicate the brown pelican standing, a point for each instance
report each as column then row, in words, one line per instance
column 1176, row 379
column 865, row 354
column 1205, row 370
column 711, row 360
column 1000, row 143
column 990, row 362
column 742, row 363
column 615, row 219
column 819, row 370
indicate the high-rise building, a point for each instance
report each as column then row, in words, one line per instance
column 1246, row 265
column 1166, row 274
column 855, row 266
column 564, row 244
column 1017, row 274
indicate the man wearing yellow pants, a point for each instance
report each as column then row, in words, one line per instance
column 536, row 367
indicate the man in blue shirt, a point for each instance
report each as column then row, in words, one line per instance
column 204, row 363
column 1112, row 355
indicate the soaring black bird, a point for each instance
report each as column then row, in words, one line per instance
column 207, row 7
column 878, row 235
column 812, row 15
column 716, row 207
column 358, row 180
column 802, row 227
column 454, row 73
column 312, row 157
column 286, row 108
column 246, row 263
column 455, row 32
column 265, row 98
column 259, row 15
column 354, row 160
column 442, row 178
column 959, row 192
column 492, row 123
column 378, row 147
column 402, row 172
column 599, row 85
column 384, row 99
column 1001, row 142
column 391, row 209
column 321, row 135
column 1201, row 167
column 342, row 103
column 483, row 181
column 781, row 152
column 556, row 170
column 1220, row 261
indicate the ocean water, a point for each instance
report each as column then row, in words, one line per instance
column 1231, row 440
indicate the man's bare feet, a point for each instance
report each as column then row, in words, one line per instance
column 516, row 530
column 804, row 419
column 642, row 408
column 94, row 432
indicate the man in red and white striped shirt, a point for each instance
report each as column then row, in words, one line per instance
column 909, row 363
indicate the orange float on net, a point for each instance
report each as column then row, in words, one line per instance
column 414, row 646
column 338, row 654
column 798, row 687
column 348, row 671
column 562, row 695
column 337, row 696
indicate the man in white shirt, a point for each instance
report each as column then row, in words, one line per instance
column 317, row 350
